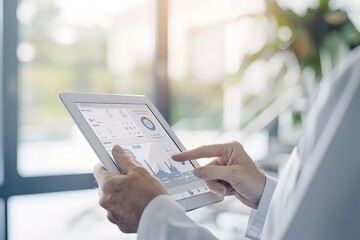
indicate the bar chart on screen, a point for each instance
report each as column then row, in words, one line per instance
column 170, row 176
column 143, row 139
column 156, row 158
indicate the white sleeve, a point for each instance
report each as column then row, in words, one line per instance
column 164, row 219
column 325, row 204
column 258, row 216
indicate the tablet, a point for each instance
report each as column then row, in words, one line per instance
column 135, row 124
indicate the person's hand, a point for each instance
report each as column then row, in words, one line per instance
column 126, row 196
column 232, row 172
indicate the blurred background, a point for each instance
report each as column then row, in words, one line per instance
column 217, row 70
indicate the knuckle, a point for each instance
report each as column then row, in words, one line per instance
column 107, row 194
column 124, row 228
column 139, row 173
column 110, row 217
column 124, row 158
column 234, row 172
column 107, row 186
column 142, row 171
column 103, row 202
column 206, row 171
column 122, row 161
column 236, row 144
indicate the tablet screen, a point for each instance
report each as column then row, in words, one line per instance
column 135, row 128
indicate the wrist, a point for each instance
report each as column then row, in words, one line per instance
column 261, row 184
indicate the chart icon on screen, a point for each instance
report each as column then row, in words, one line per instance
column 148, row 123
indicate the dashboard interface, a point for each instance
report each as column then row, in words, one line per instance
column 135, row 128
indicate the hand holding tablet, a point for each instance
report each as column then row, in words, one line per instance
column 125, row 196
column 135, row 124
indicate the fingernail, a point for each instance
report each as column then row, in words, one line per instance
column 198, row 172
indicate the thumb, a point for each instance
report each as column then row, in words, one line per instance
column 122, row 160
column 211, row 172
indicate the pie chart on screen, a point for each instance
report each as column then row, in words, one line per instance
column 148, row 123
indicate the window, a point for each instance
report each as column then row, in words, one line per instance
column 226, row 64
column 74, row 46
column 63, row 46
column 110, row 46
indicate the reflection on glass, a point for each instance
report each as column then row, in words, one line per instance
column 75, row 46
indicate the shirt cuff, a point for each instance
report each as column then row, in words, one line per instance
column 165, row 219
column 153, row 207
column 258, row 216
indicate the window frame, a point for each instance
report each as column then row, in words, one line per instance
column 15, row 184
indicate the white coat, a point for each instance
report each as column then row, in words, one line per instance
column 318, row 193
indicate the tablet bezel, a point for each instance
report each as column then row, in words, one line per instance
column 70, row 100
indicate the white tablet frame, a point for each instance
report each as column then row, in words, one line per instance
column 70, row 100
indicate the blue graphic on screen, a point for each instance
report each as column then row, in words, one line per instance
column 142, row 138
column 174, row 178
column 148, row 123
column 132, row 156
